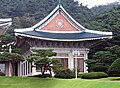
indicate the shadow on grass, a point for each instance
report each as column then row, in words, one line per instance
column 40, row 76
column 115, row 79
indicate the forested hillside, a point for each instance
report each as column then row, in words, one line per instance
column 101, row 57
column 23, row 11
column 104, row 8
column 107, row 21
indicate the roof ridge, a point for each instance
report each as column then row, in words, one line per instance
column 69, row 18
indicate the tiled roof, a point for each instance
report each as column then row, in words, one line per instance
column 62, row 36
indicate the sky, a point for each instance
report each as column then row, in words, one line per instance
column 92, row 3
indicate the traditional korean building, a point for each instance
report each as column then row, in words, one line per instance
column 60, row 32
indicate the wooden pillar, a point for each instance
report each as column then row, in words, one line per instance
column 70, row 61
column 20, row 68
column 10, row 69
column 23, row 68
column 85, row 64
column 30, row 68
column 27, row 68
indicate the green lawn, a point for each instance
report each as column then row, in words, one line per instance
column 28, row 82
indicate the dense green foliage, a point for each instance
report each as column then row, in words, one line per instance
column 104, row 8
column 42, row 61
column 114, row 69
column 65, row 73
column 103, row 59
column 23, row 22
column 108, row 21
column 106, row 18
column 94, row 75
column 5, row 39
column 13, row 57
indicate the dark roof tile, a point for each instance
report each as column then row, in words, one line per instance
column 81, row 35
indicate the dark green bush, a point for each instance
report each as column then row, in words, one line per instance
column 94, row 75
column 80, row 75
column 39, row 75
column 2, row 74
column 114, row 69
column 65, row 73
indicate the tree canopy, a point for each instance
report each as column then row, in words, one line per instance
column 114, row 69
column 13, row 57
column 107, row 21
column 102, row 60
column 42, row 61
column 104, row 8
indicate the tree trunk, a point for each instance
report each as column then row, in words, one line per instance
column 50, row 72
column 42, row 71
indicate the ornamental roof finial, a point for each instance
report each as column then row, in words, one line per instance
column 59, row 2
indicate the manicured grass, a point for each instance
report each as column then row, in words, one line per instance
column 29, row 82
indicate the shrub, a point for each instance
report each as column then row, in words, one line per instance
column 65, row 73
column 80, row 75
column 114, row 69
column 57, row 70
column 94, row 75
column 2, row 74
column 40, row 76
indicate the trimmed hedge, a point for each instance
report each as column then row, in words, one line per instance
column 65, row 73
column 2, row 74
column 94, row 75
column 114, row 69
column 80, row 75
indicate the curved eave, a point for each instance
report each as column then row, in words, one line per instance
column 5, row 20
column 98, row 32
column 63, row 39
column 6, row 24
